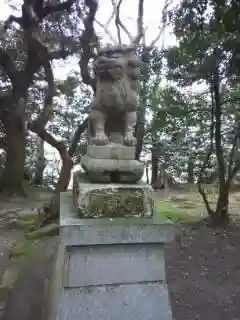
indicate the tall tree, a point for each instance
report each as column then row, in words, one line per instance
column 206, row 53
column 21, row 76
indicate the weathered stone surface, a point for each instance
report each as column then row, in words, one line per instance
column 114, row 264
column 111, row 151
column 75, row 231
column 113, row 115
column 114, row 106
column 112, row 170
column 147, row 301
column 112, row 200
column 100, row 275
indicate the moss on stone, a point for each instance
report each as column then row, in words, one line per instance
column 49, row 230
column 114, row 202
column 26, row 225
column 21, row 249
column 4, row 290
column 31, row 216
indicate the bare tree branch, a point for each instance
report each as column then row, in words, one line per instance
column 86, row 77
column 140, row 29
column 157, row 37
column 105, row 28
column 119, row 23
column 89, row 40
column 52, row 211
column 164, row 21
column 10, row 20
column 33, row 12
column 80, row 129
column 112, row 15
column 40, row 123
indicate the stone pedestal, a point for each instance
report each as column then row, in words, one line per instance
column 109, row 269
column 94, row 200
column 112, row 163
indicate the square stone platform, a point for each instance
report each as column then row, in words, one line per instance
column 109, row 269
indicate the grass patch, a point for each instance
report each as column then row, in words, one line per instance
column 31, row 216
column 188, row 205
column 26, row 225
column 4, row 290
column 21, row 249
column 184, row 203
column 27, row 222
column 49, row 230
column 173, row 213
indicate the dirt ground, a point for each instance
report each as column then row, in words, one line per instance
column 203, row 274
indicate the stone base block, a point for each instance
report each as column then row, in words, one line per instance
column 112, row 200
column 109, row 269
column 128, row 301
column 112, row 170
column 111, row 151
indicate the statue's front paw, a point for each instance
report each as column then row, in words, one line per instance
column 130, row 140
column 100, row 140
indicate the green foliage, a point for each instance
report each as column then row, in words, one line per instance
column 205, row 55
column 172, row 212
column 203, row 42
column 28, row 221
column 26, row 225
column 49, row 230
column 21, row 249
column 29, row 217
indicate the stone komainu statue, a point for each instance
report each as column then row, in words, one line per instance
column 111, row 149
column 113, row 109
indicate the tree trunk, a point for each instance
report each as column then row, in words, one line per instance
column 190, row 170
column 141, row 115
column 165, row 178
column 13, row 174
column 154, row 166
column 40, row 164
column 51, row 212
column 140, row 131
column 147, row 174
column 38, row 174
column 221, row 216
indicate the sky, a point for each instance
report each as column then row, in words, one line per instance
column 152, row 25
